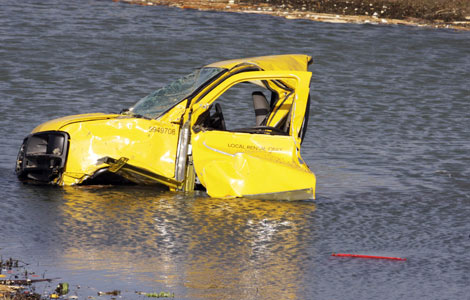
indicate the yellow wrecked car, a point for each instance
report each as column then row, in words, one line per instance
column 233, row 128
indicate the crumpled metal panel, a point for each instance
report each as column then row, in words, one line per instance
column 148, row 144
column 243, row 174
column 231, row 164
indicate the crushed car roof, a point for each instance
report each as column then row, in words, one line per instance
column 286, row 62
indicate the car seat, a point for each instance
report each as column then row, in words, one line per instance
column 261, row 107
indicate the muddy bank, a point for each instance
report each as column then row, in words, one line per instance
column 431, row 10
column 430, row 13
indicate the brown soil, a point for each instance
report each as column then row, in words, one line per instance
column 445, row 10
column 431, row 13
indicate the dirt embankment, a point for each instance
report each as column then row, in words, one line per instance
column 431, row 13
column 443, row 10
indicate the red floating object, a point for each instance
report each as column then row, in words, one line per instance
column 366, row 256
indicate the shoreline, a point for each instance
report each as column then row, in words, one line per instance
column 300, row 13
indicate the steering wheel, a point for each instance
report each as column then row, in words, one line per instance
column 217, row 119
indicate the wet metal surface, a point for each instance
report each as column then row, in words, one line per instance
column 388, row 140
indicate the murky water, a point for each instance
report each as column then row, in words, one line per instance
column 389, row 141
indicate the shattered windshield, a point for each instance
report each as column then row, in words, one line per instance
column 159, row 101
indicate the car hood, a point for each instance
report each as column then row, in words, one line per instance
column 57, row 124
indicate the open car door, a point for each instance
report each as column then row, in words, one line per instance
column 262, row 159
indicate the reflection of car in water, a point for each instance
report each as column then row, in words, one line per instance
column 178, row 136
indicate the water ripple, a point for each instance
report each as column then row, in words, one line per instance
column 388, row 140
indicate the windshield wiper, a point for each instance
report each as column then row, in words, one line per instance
column 139, row 116
column 127, row 112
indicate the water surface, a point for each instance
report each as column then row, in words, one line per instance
column 388, row 140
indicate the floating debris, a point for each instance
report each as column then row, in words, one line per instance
column 157, row 295
column 113, row 293
column 23, row 281
column 367, row 256
column 18, row 283
column 62, row 288
column 9, row 264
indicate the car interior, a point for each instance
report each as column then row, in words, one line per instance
column 245, row 108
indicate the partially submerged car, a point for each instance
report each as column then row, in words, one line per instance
column 180, row 137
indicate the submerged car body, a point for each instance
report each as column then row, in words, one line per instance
column 177, row 136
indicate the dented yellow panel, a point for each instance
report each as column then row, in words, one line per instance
column 247, row 175
column 57, row 124
column 147, row 144
column 238, row 164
